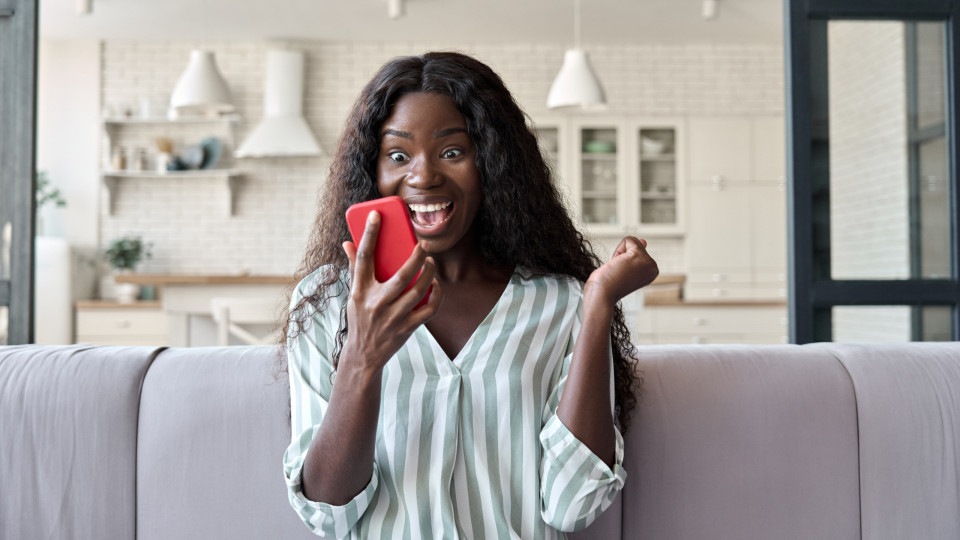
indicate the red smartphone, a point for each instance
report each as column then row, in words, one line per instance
column 396, row 240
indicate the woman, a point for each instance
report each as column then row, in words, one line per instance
column 487, row 412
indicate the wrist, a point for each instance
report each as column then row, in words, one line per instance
column 353, row 368
column 597, row 305
column 596, row 296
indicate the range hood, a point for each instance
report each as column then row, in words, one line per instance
column 283, row 131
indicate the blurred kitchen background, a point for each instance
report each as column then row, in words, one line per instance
column 688, row 151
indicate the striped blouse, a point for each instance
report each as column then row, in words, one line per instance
column 469, row 447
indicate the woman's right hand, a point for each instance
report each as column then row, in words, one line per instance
column 381, row 316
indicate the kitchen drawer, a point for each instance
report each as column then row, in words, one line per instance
column 151, row 341
column 640, row 322
column 770, row 292
column 718, row 320
column 121, row 323
column 697, row 292
column 698, row 339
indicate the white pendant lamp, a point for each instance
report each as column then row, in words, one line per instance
column 576, row 85
column 201, row 89
column 283, row 131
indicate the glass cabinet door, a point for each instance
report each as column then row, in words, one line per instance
column 549, row 138
column 658, row 176
column 598, row 176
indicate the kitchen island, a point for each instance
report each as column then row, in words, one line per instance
column 185, row 300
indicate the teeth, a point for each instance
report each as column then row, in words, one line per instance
column 428, row 207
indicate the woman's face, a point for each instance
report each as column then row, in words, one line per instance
column 428, row 160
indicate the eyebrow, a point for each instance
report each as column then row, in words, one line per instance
column 436, row 134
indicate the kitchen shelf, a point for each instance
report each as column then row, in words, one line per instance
column 228, row 177
column 112, row 124
column 163, row 120
column 599, row 194
column 655, row 196
column 599, row 156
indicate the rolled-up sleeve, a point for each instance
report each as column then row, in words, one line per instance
column 576, row 486
column 310, row 371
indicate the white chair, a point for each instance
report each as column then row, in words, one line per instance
column 231, row 312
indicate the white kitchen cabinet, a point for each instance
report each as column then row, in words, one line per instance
column 107, row 323
column 625, row 175
column 554, row 137
column 736, row 235
column 768, row 149
column 719, row 149
column 698, row 323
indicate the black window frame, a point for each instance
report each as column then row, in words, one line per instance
column 18, row 111
column 813, row 292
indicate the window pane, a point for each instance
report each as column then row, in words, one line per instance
column 875, row 324
column 931, row 77
column 6, row 240
column 4, row 323
column 887, row 148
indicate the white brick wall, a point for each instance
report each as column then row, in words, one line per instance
column 869, row 191
column 276, row 201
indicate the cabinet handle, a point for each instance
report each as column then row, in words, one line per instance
column 699, row 321
column 696, row 340
column 718, row 277
column 122, row 323
column 717, row 182
column 6, row 13
column 719, row 292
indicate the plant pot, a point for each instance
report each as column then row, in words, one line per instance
column 126, row 293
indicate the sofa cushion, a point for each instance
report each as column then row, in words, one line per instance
column 68, row 419
column 734, row 442
column 214, row 423
column 908, row 406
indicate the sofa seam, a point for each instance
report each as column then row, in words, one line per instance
column 856, row 409
column 136, row 454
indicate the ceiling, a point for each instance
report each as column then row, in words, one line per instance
column 435, row 22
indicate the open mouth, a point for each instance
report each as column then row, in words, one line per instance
column 429, row 216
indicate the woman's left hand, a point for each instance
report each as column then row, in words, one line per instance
column 629, row 269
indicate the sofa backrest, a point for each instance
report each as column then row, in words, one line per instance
column 908, row 415
column 214, row 423
column 735, row 442
column 744, row 442
column 68, row 440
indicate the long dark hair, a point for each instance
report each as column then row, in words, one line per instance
column 519, row 193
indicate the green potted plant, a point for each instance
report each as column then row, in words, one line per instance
column 124, row 254
column 47, row 196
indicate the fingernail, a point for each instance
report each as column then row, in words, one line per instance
column 373, row 216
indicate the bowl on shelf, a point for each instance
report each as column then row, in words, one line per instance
column 599, row 147
column 651, row 147
column 211, row 152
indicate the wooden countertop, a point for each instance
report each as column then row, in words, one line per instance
column 249, row 279
column 200, row 279
column 110, row 304
column 657, row 302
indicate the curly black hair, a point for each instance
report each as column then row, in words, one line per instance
column 519, row 193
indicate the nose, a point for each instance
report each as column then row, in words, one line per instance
column 424, row 174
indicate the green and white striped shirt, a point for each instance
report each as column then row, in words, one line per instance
column 466, row 448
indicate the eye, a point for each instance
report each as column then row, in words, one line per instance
column 451, row 153
column 398, row 157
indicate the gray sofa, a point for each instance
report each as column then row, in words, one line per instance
column 820, row 441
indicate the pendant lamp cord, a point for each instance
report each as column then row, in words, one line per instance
column 576, row 24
